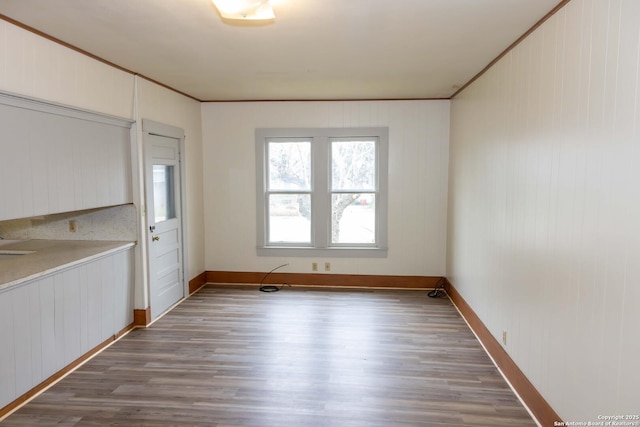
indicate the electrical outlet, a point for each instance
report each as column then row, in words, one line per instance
column 504, row 337
column 314, row 266
column 327, row 266
column 73, row 227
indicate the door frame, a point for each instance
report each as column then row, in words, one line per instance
column 150, row 127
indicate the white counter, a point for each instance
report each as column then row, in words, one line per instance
column 50, row 256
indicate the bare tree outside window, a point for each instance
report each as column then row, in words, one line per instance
column 322, row 191
column 353, row 185
column 290, row 166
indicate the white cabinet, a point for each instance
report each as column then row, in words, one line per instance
column 48, row 323
column 57, row 159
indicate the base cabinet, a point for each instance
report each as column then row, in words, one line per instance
column 49, row 322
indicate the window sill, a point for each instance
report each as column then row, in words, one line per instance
column 337, row 252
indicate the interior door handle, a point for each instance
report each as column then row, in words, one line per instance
column 155, row 238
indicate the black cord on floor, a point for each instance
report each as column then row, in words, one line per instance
column 271, row 288
column 438, row 290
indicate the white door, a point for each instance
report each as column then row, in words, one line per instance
column 163, row 218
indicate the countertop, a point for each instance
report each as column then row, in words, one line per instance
column 50, row 256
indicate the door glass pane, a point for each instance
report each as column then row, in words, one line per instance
column 353, row 218
column 289, row 218
column 163, row 193
column 289, row 166
column 353, row 165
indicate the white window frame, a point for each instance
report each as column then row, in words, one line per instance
column 321, row 192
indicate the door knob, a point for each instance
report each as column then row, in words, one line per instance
column 155, row 238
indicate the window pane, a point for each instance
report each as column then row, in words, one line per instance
column 289, row 218
column 353, row 218
column 164, row 205
column 353, row 165
column 289, row 166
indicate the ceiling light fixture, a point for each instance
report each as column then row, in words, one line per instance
column 245, row 9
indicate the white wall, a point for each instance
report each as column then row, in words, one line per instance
column 544, row 206
column 33, row 66
column 418, row 158
column 161, row 105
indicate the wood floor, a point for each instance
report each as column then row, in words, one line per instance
column 232, row 356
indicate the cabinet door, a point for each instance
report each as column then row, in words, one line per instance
column 7, row 351
column 58, row 159
column 50, row 322
column 17, row 170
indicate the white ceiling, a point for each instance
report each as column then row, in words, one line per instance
column 315, row 49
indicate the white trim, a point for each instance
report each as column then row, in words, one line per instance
column 27, row 103
column 336, row 251
column 150, row 127
column 321, row 230
column 161, row 129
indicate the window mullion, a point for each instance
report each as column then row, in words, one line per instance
column 321, row 198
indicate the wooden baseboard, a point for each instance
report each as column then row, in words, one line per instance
column 124, row 331
column 324, row 280
column 61, row 373
column 197, row 282
column 142, row 317
column 543, row 412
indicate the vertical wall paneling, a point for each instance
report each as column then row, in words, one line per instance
column 543, row 237
column 94, row 304
column 22, row 339
column 35, row 332
column 123, row 315
column 102, row 170
column 71, row 315
column 37, row 67
column 50, row 322
column 418, row 164
column 628, row 129
column 25, row 189
column 46, row 289
column 67, row 159
column 7, row 353
column 59, row 307
column 107, row 296
column 86, row 316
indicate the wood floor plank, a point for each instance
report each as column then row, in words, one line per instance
column 230, row 356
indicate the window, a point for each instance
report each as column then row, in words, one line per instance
column 322, row 191
column 163, row 193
